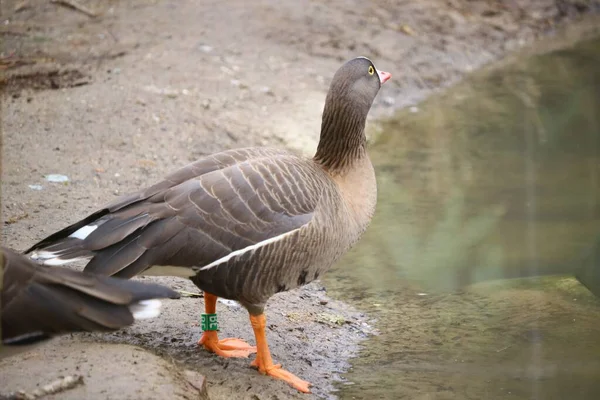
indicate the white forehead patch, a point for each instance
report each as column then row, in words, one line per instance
column 379, row 76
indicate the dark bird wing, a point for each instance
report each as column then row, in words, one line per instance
column 198, row 215
column 39, row 302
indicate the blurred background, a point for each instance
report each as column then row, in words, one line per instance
column 480, row 274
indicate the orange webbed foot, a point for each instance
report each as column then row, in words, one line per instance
column 277, row 372
column 229, row 347
column 264, row 362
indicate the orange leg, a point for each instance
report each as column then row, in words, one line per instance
column 264, row 362
column 225, row 347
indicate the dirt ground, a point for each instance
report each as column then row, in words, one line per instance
column 117, row 99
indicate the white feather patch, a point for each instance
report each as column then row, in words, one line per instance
column 83, row 232
column 247, row 249
column 60, row 261
column 145, row 309
column 51, row 259
column 42, row 255
column 170, row 270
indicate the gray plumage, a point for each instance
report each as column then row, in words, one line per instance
column 39, row 302
column 244, row 224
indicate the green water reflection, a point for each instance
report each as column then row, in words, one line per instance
column 498, row 177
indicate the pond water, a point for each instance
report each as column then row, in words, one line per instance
column 496, row 178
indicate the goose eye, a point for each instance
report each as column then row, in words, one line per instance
column 371, row 70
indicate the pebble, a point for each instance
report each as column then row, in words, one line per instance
column 205, row 48
column 238, row 83
column 267, row 90
column 57, row 178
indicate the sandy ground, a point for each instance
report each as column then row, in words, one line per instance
column 118, row 100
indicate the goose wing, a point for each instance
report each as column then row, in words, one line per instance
column 199, row 215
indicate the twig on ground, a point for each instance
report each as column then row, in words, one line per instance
column 59, row 385
column 190, row 294
column 74, row 5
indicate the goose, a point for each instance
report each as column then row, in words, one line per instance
column 243, row 224
column 38, row 303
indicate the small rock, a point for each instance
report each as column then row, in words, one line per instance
column 267, row 90
column 198, row 382
column 164, row 91
column 238, row 83
column 330, row 319
column 407, row 30
column 205, row 48
column 323, row 302
column 57, row 178
column 414, row 109
column 22, row 5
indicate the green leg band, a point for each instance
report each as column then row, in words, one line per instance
column 209, row 322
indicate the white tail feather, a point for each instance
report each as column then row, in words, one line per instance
column 61, row 261
column 42, row 255
column 83, row 232
column 53, row 259
column 146, row 309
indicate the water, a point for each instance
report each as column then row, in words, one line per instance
column 499, row 177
